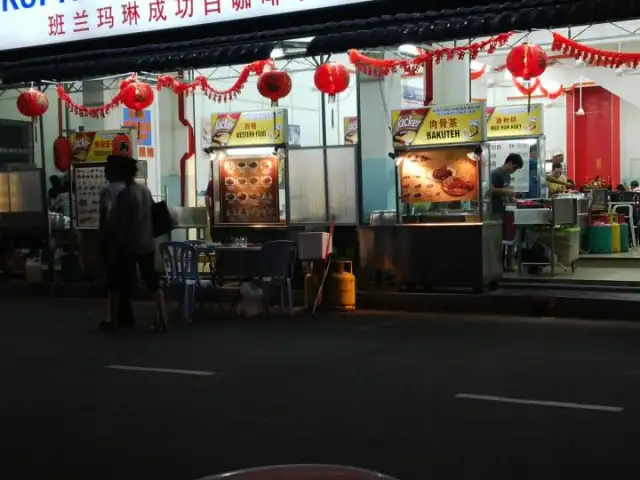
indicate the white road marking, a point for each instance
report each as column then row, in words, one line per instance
column 377, row 325
column 542, row 403
column 198, row 373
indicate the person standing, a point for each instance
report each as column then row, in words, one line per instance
column 501, row 193
column 119, row 302
column 135, row 242
column 556, row 180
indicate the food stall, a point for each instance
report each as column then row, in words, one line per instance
column 90, row 151
column 249, row 153
column 518, row 129
column 443, row 234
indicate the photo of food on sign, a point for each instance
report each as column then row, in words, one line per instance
column 439, row 175
column 437, row 125
column 249, row 187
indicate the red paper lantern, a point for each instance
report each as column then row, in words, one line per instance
column 274, row 85
column 527, row 61
column 62, row 154
column 122, row 145
column 137, row 96
column 332, row 79
column 32, row 103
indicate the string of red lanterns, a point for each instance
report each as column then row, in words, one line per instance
column 524, row 61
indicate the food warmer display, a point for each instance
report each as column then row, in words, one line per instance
column 443, row 234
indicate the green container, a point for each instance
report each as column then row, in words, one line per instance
column 624, row 237
column 600, row 239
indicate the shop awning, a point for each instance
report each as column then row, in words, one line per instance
column 335, row 36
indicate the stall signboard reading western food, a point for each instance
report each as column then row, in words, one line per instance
column 438, row 175
column 446, row 125
column 248, row 129
column 514, row 121
column 58, row 21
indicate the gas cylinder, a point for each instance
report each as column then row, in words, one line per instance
column 624, row 237
column 311, row 285
column 340, row 286
column 615, row 234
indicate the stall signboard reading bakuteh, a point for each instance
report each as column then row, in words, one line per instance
column 58, row 21
column 248, row 129
column 249, row 189
column 438, row 175
column 446, row 125
column 514, row 121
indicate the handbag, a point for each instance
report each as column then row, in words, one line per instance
column 161, row 220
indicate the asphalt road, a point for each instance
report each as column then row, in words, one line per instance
column 415, row 396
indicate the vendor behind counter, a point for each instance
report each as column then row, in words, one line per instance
column 557, row 181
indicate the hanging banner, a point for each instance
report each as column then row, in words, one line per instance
column 514, row 121
column 350, row 130
column 97, row 146
column 57, row 21
column 140, row 122
column 446, row 125
column 248, row 129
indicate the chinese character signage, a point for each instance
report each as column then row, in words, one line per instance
column 445, row 125
column 57, row 21
column 248, row 129
column 141, row 123
column 96, row 146
column 249, row 189
column 350, row 130
column 514, row 121
column 438, row 175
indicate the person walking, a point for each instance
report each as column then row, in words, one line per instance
column 134, row 240
column 119, row 302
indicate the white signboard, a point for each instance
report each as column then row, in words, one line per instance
column 499, row 152
column 31, row 23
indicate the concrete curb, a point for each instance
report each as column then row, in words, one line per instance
column 518, row 301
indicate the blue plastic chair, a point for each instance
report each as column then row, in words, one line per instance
column 195, row 243
column 302, row 472
column 277, row 262
column 181, row 266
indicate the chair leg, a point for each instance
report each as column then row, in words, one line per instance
column 281, row 297
column 290, row 297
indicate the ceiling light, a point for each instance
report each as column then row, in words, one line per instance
column 579, row 62
column 277, row 53
column 619, row 71
column 409, row 49
column 580, row 112
column 507, row 75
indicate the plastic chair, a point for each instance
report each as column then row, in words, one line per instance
column 302, row 472
column 277, row 261
column 181, row 266
column 208, row 252
column 195, row 243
